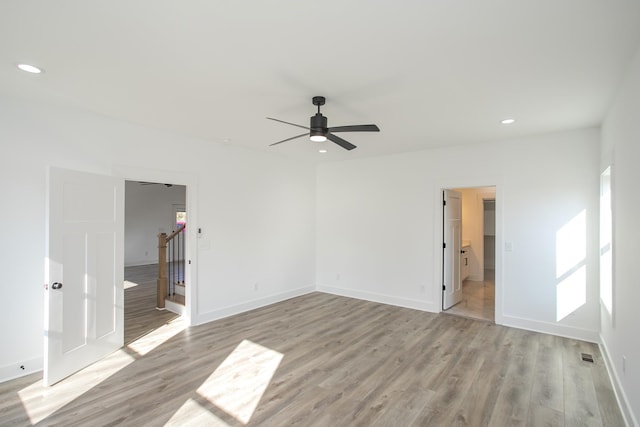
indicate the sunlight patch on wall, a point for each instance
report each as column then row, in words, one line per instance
column 237, row 385
column 572, row 293
column 571, row 276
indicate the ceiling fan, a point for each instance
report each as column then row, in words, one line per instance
column 318, row 130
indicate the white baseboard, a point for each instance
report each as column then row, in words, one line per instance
column 140, row 263
column 250, row 305
column 623, row 402
column 551, row 328
column 20, row 369
column 380, row 298
column 173, row 307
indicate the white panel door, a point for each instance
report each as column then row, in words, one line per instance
column 452, row 241
column 84, row 296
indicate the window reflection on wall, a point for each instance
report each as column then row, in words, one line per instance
column 571, row 268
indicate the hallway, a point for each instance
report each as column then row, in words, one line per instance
column 140, row 313
column 478, row 298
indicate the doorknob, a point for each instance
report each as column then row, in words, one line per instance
column 56, row 285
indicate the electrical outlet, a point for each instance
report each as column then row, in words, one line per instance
column 508, row 247
column 146, row 253
column 337, row 276
column 422, row 289
column 255, row 286
column 624, row 364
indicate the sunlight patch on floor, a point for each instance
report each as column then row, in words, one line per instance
column 193, row 414
column 129, row 285
column 237, row 385
column 157, row 337
column 39, row 401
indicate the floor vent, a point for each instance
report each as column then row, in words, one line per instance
column 587, row 357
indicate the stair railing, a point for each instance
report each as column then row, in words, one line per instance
column 170, row 264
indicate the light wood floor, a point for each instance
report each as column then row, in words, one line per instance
column 324, row 360
column 140, row 314
column 478, row 298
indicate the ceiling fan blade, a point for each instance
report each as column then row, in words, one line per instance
column 341, row 142
column 289, row 139
column 287, row 123
column 355, row 128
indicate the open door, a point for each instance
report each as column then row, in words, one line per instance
column 84, row 297
column 452, row 226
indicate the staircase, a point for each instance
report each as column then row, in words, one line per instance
column 171, row 266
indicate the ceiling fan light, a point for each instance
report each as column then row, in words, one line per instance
column 318, row 138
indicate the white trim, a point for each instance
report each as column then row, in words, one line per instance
column 488, row 181
column 136, row 173
column 250, row 305
column 380, row 298
column 14, row 370
column 174, row 307
column 618, row 390
column 551, row 328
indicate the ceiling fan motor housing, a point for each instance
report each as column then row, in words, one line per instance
column 318, row 125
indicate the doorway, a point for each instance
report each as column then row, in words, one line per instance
column 477, row 254
column 152, row 208
column 89, row 262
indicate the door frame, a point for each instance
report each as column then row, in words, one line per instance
column 438, row 271
column 131, row 173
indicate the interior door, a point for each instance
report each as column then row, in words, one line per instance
column 452, row 226
column 84, row 297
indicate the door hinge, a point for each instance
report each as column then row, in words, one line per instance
column 444, row 246
column 444, row 203
column 444, row 288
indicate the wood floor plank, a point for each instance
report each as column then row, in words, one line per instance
column 548, row 384
column 513, row 401
column 581, row 401
column 320, row 360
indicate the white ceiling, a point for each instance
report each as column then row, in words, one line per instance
column 430, row 73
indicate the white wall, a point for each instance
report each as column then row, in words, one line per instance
column 621, row 148
column 256, row 211
column 149, row 212
column 379, row 225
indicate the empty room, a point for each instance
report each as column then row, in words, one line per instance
column 179, row 251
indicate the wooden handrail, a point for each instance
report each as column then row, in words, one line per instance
column 175, row 233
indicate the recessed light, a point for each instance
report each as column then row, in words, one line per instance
column 508, row 121
column 322, row 151
column 30, row 68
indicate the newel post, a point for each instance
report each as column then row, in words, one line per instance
column 162, row 270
